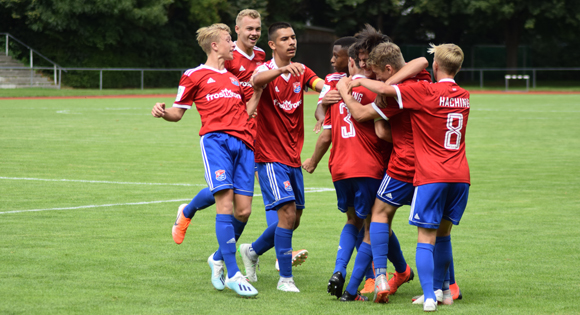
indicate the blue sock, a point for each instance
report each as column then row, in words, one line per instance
column 284, row 251
column 346, row 244
column 272, row 217
column 226, row 239
column 266, row 240
column 451, row 273
column 238, row 230
column 442, row 257
column 202, row 200
column 364, row 258
column 370, row 274
column 395, row 254
column 380, row 244
column 424, row 262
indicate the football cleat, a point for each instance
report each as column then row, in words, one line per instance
column 399, row 278
column 421, row 298
column 381, row 289
column 347, row 297
column 250, row 264
column 455, row 291
column 336, row 284
column 429, row 306
column 447, row 298
column 241, row 286
column 287, row 285
column 369, row 286
column 217, row 272
column 298, row 258
column 180, row 225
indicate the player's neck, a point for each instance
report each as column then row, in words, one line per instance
column 216, row 62
column 248, row 50
column 280, row 62
column 440, row 75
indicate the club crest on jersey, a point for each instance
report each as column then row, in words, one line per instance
column 296, row 87
column 220, row 175
column 287, row 186
column 235, row 81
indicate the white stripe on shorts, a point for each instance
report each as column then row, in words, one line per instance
column 205, row 164
column 272, row 180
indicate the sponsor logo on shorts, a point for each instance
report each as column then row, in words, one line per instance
column 287, row 186
column 296, row 87
column 234, row 81
column 417, row 217
column 220, row 175
column 389, row 196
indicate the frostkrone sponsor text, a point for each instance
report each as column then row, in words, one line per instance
column 225, row 93
column 287, row 105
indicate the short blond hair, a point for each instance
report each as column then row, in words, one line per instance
column 386, row 54
column 448, row 56
column 211, row 34
column 249, row 13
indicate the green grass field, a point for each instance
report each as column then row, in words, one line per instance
column 89, row 189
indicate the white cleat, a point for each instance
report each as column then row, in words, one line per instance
column 420, row 299
column 217, row 272
column 430, row 306
column 287, row 285
column 250, row 263
column 241, row 286
column 447, row 298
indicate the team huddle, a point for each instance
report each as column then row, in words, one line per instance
column 397, row 139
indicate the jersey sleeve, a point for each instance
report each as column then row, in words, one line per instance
column 411, row 96
column 310, row 78
column 391, row 110
column 325, row 90
column 185, row 92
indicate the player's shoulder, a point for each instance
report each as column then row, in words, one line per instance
column 258, row 50
column 334, row 76
column 196, row 70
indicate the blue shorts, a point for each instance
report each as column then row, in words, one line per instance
column 437, row 201
column 358, row 193
column 280, row 184
column 395, row 192
column 228, row 163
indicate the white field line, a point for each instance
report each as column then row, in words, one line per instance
column 306, row 190
column 99, row 182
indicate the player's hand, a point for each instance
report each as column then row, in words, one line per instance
column 381, row 101
column 309, row 166
column 352, row 84
column 318, row 125
column 158, row 110
column 330, row 98
column 342, row 85
column 295, row 69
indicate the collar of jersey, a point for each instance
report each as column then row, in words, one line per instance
column 243, row 53
column 446, row 80
column 359, row 76
column 213, row 69
column 286, row 76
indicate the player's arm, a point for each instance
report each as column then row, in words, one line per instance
column 411, row 69
column 264, row 77
column 377, row 87
column 359, row 112
column 383, row 130
column 252, row 104
column 322, row 145
column 170, row 114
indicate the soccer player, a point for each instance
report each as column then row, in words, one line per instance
column 221, row 103
column 279, row 143
column 439, row 115
column 397, row 188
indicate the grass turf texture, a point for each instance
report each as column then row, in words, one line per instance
column 516, row 250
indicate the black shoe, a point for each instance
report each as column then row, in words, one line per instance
column 347, row 297
column 335, row 284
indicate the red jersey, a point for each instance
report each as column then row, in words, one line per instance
column 280, row 133
column 330, row 83
column 439, row 113
column 356, row 150
column 219, row 100
column 243, row 66
column 402, row 162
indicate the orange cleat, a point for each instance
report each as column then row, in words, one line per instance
column 369, row 286
column 399, row 278
column 455, row 291
column 180, row 226
column 298, row 257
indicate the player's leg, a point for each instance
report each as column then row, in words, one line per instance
column 202, row 200
column 362, row 262
column 453, row 286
